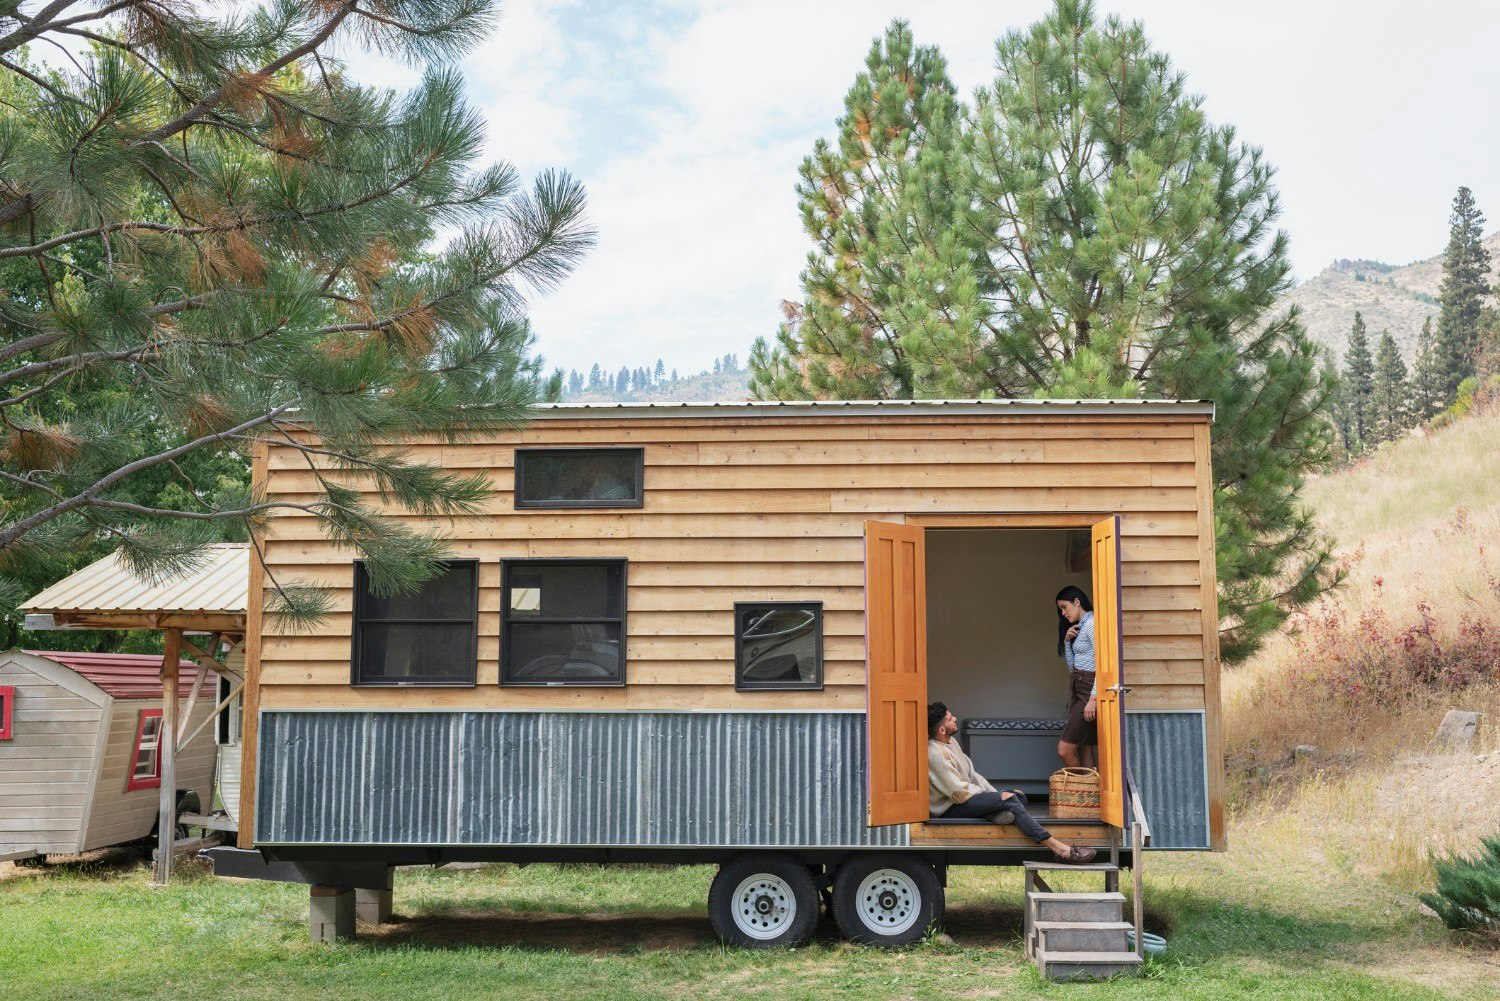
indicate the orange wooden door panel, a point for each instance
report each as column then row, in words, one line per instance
column 1107, row 635
column 896, row 672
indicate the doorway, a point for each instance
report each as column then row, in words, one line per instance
column 992, row 642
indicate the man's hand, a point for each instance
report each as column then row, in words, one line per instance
column 1092, row 709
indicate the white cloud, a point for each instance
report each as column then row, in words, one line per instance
column 686, row 122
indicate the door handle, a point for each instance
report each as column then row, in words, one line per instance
column 1118, row 689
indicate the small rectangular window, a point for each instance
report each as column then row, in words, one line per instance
column 562, row 622
column 579, row 477
column 778, row 645
column 427, row 638
column 145, row 763
column 7, row 709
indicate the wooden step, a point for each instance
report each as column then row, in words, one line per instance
column 1054, row 937
column 1087, row 965
column 1065, row 866
column 1047, row 906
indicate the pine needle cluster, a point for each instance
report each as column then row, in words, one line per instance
column 213, row 238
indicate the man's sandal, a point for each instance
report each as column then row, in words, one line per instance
column 1077, row 855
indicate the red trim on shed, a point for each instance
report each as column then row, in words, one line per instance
column 133, row 780
column 7, row 704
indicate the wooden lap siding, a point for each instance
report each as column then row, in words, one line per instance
column 119, row 815
column 764, row 508
column 46, row 766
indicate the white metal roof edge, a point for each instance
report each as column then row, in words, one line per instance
column 820, row 408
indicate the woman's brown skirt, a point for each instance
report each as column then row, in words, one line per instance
column 1079, row 730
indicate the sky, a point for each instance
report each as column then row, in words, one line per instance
column 686, row 122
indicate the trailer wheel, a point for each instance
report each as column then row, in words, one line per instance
column 887, row 899
column 763, row 901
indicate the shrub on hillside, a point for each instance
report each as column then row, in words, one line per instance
column 1468, row 890
column 1375, row 656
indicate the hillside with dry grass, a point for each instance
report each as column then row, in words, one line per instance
column 1366, row 675
column 1391, row 298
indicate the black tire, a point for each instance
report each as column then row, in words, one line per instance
column 887, row 898
column 763, row 900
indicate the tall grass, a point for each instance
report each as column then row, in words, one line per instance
column 1367, row 673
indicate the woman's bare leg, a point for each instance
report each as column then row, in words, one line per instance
column 1069, row 754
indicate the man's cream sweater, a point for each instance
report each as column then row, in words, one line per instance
column 951, row 777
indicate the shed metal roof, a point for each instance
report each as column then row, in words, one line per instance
column 220, row 584
column 127, row 675
column 828, row 408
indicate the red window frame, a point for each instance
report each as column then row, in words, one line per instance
column 7, row 704
column 131, row 782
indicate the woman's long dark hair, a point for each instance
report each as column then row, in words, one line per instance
column 1069, row 593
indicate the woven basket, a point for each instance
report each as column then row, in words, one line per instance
column 1073, row 794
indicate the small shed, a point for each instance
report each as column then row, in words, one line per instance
column 80, row 749
column 201, row 614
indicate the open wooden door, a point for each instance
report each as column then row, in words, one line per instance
column 1107, row 632
column 896, row 672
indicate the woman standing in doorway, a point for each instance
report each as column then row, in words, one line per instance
column 1075, row 643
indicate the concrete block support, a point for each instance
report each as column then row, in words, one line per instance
column 373, row 907
column 331, row 914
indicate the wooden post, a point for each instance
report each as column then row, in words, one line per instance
column 1137, row 855
column 166, row 750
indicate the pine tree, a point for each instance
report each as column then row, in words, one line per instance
column 1358, row 384
column 1466, row 271
column 596, row 377
column 661, row 371
column 716, row 366
column 622, row 381
column 1082, row 231
column 228, row 237
column 674, row 375
column 1427, row 378
column 1338, row 413
column 1390, row 409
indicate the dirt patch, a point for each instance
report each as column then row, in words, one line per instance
column 101, row 862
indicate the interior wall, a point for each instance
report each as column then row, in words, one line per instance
column 992, row 621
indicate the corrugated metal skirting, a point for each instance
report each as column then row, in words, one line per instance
column 434, row 778
column 1165, row 752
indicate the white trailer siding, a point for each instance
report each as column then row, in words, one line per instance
column 47, row 767
column 120, row 814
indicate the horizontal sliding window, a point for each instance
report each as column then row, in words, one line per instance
column 778, row 645
column 579, row 477
column 429, row 637
column 563, row 622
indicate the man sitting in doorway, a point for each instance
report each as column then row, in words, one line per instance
column 958, row 791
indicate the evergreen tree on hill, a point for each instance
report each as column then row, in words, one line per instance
column 229, row 239
column 1466, row 270
column 1427, row 377
column 1082, row 231
column 1390, row 413
column 1358, row 384
column 596, row 377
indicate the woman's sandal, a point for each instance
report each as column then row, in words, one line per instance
column 1078, row 855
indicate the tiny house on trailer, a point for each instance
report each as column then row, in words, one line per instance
column 80, row 741
column 709, row 632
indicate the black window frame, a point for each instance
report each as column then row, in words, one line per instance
column 545, row 505
column 508, row 567
column 741, row 685
column 361, row 590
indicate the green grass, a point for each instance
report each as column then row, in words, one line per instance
column 1237, row 928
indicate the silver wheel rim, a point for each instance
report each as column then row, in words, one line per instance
column 889, row 901
column 763, row 906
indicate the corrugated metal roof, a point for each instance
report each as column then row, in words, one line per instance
column 127, row 675
column 828, row 408
column 220, row 584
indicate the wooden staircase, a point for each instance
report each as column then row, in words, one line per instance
column 1078, row 936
